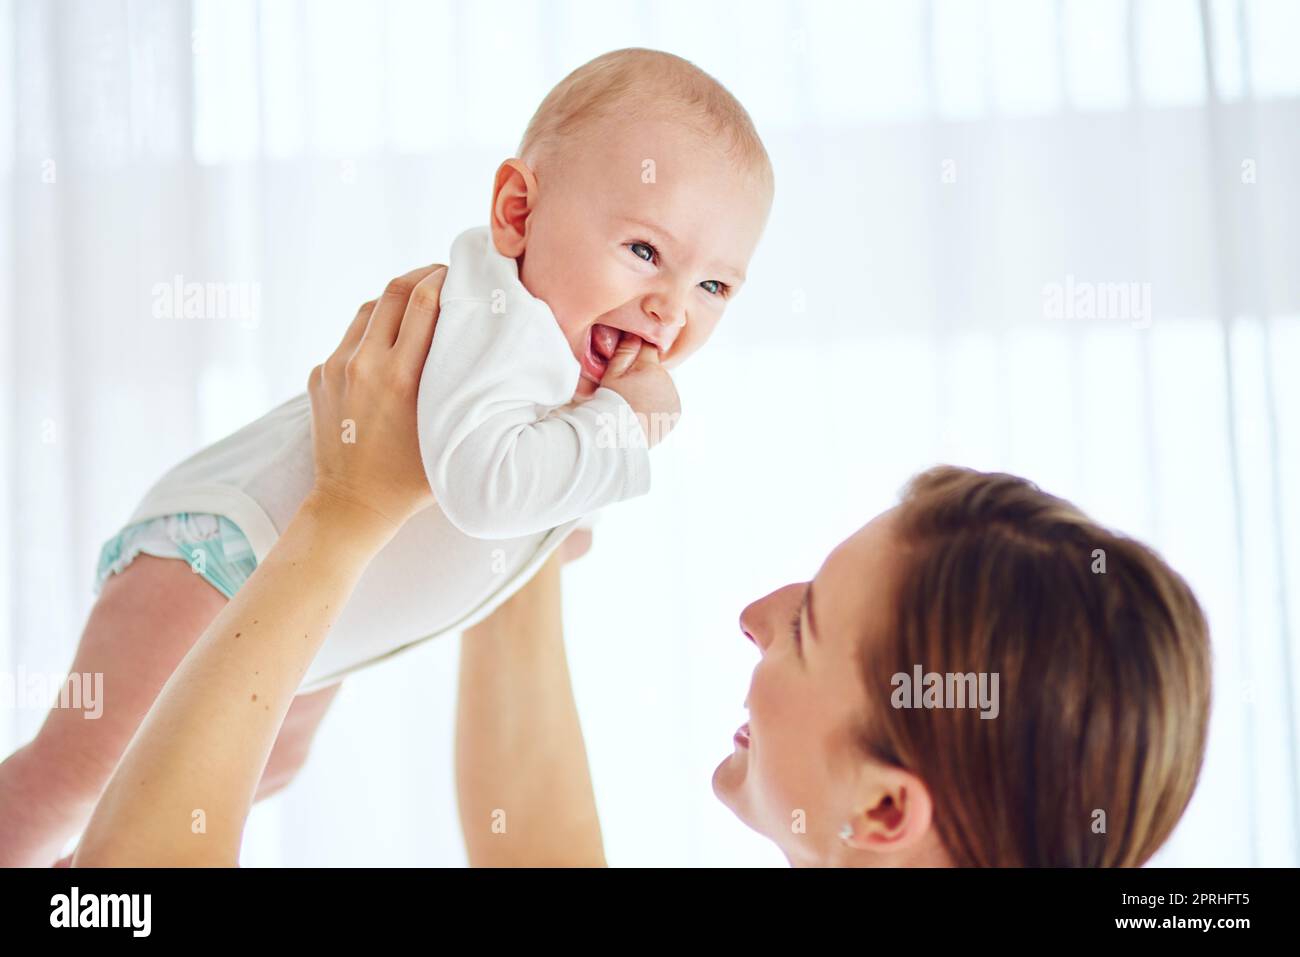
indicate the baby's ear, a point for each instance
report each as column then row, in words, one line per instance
column 513, row 196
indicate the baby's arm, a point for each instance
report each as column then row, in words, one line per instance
column 506, row 451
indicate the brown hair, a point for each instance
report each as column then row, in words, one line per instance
column 634, row 83
column 1104, row 669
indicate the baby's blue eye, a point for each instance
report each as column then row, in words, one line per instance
column 639, row 248
column 711, row 286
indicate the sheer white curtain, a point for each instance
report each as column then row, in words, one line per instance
column 957, row 181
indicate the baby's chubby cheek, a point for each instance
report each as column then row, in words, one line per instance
column 556, row 281
column 694, row 336
column 572, row 322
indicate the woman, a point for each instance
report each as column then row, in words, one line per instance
column 1086, row 755
column 1058, row 714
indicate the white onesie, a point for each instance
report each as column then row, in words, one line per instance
column 513, row 461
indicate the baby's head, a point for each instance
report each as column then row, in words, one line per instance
column 639, row 194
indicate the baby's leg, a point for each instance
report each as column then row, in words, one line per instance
column 146, row 619
column 289, row 753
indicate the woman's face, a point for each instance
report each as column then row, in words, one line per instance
column 797, row 774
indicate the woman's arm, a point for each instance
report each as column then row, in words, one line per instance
column 182, row 791
column 522, row 780
column 185, row 785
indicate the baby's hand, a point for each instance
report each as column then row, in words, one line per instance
column 634, row 372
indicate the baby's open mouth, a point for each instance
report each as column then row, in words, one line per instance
column 602, row 340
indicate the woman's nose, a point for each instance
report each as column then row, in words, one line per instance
column 747, row 625
column 760, row 620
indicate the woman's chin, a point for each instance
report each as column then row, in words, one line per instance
column 729, row 787
column 729, row 776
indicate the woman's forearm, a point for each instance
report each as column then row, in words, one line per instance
column 522, row 780
column 182, row 791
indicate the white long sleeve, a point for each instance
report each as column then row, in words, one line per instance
column 506, row 450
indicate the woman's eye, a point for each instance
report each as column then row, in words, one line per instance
column 795, row 630
column 643, row 251
column 712, row 287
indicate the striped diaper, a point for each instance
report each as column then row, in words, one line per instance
column 213, row 546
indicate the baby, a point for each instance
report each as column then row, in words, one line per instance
column 630, row 214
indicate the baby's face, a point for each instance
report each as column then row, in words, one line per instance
column 648, row 230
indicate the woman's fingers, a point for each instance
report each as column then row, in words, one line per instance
column 381, row 321
column 420, row 319
column 387, row 315
column 352, row 337
column 368, row 383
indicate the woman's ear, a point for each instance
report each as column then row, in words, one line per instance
column 514, row 193
column 894, row 817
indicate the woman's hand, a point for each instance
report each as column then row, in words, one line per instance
column 363, row 400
